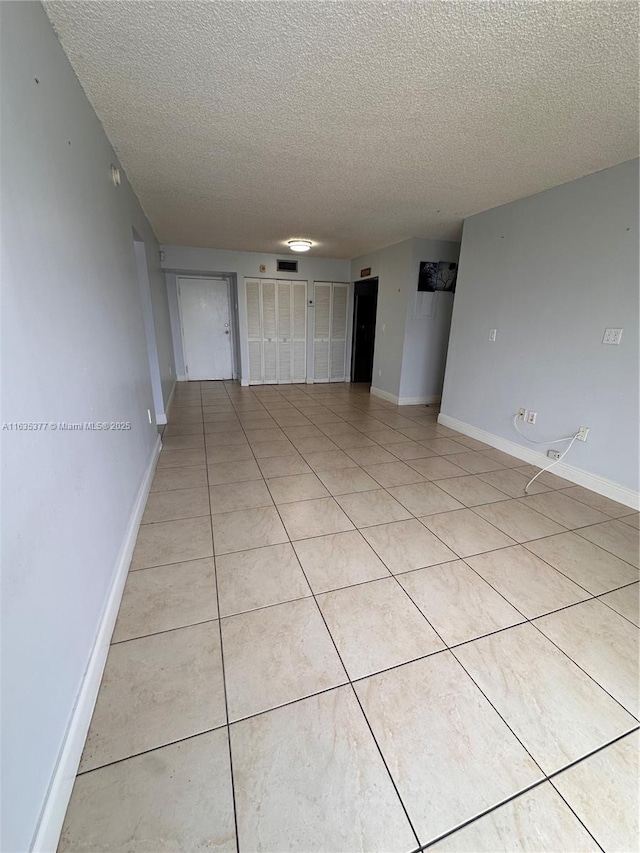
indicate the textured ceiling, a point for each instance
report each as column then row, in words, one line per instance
column 357, row 124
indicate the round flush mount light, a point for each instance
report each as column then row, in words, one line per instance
column 299, row 245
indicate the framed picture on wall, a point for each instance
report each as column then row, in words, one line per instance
column 437, row 276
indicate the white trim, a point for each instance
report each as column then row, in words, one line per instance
column 595, row 483
column 184, row 378
column 404, row 401
column 161, row 418
column 57, row 799
column 244, row 383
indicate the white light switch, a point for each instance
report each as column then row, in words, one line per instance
column 493, row 334
column 612, row 336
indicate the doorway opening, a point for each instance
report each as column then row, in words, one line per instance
column 149, row 327
column 204, row 306
column 364, row 329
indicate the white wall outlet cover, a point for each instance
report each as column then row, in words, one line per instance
column 493, row 334
column 531, row 418
column 612, row 336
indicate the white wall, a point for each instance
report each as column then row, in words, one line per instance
column 550, row 272
column 409, row 349
column 183, row 259
column 74, row 349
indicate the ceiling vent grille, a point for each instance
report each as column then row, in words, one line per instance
column 287, row 266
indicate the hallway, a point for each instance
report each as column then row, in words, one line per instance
column 389, row 642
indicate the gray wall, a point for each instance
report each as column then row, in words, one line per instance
column 74, row 349
column 409, row 349
column 550, row 272
column 245, row 265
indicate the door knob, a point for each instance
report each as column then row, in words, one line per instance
column 226, row 331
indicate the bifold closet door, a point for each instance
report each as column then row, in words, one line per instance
column 277, row 330
column 330, row 331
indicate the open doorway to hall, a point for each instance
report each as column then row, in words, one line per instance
column 364, row 329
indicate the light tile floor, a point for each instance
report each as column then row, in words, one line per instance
column 345, row 628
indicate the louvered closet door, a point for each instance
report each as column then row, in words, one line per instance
column 285, row 323
column 254, row 329
column 269, row 332
column 299, row 336
column 321, row 331
column 338, row 344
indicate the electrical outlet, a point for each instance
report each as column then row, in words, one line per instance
column 583, row 432
column 554, row 454
column 531, row 418
column 149, row 414
column 493, row 334
column 522, row 415
column 612, row 336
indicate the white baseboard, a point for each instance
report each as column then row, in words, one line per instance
column 595, row 483
column 244, row 383
column 57, row 799
column 181, row 378
column 404, row 401
column 163, row 416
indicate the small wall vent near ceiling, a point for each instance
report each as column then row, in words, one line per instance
column 287, row 266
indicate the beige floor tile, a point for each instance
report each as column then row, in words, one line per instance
column 554, row 708
column 338, row 560
column 223, row 435
column 512, row 482
column 297, row 432
column 598, row 502
column 259, row 578
column 269, row 449
column 406, row 545
column 248, row 528
column 177, row 503
column 537, row 821
column 167, row 597
column 472, row 443
column 448, row 751
column 375, row 625
column 233, row 472
column 532, row 586
column 178, row 797
column 437, row 468
column 228, row 497
column 474, row 462
column 412, row 450
column 616, row 537
column 374, row 455
column 267, row 434
column 625, row 601
column 183, row 442
column 296, row 487
column 394, row 474
column 633, row 520
column 339, row 798
column 355, row 441
column 459, row 604
column 466, row 533
column 181, row 458
column 375, row 507
column 425, row 498
column 585, row 563
column 518, row 521
column 183, row 429
column 276, row 655
column 471, row 490
column 546, row 479
column 504, row 458
column 156, row 690
column 172, row 542
column 603, row 791
column 329, row 460
column 283, row 466
column 347, row 480
column 603, row 643
column 188, row 415
column 314, row 445
column 228, row 453
column 387, row 437
column 445, row 446
column 420, row 433
column 338, row 427
column 179, row 478
column 564, row 510
column 305, row 519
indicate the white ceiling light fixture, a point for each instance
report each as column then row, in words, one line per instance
column 299, row 245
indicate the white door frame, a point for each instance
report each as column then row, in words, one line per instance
column 232, row 318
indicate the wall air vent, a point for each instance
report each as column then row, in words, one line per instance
column 287, row 266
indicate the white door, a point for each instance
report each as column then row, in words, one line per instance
column 330, row 331
column 276, row 330
column 206, row 327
